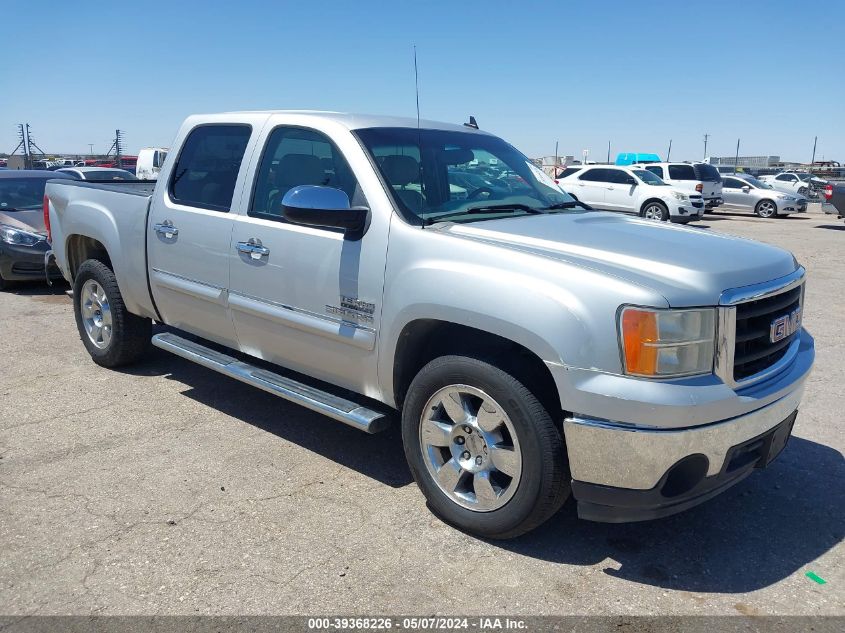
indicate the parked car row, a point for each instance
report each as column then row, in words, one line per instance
column 631, row 190
column 679, row 192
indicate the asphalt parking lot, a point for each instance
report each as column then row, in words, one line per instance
column 169, row 489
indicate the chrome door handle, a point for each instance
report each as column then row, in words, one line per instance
column 167, row 229
column 253, row 248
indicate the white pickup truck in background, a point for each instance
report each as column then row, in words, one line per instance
column 532, row 348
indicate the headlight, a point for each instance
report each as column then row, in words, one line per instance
column 11, row 235
column 785, row 198
column 667, row 343
column 679, row 196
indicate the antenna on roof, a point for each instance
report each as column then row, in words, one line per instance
column 419, row 133
column 472, row 123
column 417, row 85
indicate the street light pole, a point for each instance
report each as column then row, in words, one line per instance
column 706, row 136
column 669, row 153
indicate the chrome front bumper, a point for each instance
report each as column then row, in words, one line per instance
column 611, row 454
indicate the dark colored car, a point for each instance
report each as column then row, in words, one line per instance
column 834, row 199
column 23, row 238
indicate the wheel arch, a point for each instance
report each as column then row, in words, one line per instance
column 422, row 340
column 647, row 201
column 79, row 248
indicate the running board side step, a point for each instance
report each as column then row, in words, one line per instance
column 337, row 408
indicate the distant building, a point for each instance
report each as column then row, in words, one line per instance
column 746, row 162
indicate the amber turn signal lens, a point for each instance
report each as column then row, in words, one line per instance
column 639, row 327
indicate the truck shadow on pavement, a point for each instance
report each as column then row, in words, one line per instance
column 342, row 444
column 771, row 525
column 774, row 523
column 831, row 227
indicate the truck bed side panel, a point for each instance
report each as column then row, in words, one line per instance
column 115, row 216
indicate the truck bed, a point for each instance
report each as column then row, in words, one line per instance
column 114, row 214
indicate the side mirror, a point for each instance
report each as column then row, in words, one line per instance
column 327, row 207
column 746, row 189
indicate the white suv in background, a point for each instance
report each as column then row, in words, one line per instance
column 631, row 190
column 701, row 178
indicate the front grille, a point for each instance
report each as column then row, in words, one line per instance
column 754, row 350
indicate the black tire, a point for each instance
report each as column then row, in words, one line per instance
column 658, row 207
column 130, row 334
column 766, row 208
column 544, row 483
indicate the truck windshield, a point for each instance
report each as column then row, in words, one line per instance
column 22, row 193
column 467, row 176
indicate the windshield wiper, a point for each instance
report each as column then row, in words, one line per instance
column 488, row 208
column 568, row 205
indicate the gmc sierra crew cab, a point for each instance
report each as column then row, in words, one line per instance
column 535, row 349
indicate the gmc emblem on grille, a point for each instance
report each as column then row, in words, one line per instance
column 785, row 325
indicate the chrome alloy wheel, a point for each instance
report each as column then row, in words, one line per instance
column 96, row 314
column 470, row 448
column 766, row 209
column 653, row 212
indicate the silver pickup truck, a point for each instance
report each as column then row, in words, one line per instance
column 536, row 349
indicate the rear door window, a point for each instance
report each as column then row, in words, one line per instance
column 205, row 173
column 657, row 170
column 681, row 172
column 733, row 183
column 596, row 175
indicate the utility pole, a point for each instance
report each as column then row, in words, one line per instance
column 736, row 156
column 554, row 169
column 669, row 153
column 22, row 144
column 813, row 160
column 608, row 152
column 26, row 144
column 706, row 136
column 117, row 146
column 90, row 149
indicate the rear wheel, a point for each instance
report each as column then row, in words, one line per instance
column 112, row 335
column 482, row 449
column 655, row 211
column 766, row 209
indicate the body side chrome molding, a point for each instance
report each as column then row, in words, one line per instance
column 321, row 325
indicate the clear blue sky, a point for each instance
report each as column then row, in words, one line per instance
column 582, row 73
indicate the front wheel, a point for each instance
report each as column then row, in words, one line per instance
column 483, row 450
column 655, row 211
column 112, row 335
column 766, row 209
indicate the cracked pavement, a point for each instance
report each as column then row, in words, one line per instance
column 169, row 489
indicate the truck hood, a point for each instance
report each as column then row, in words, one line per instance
column 31, row 220
column 689, row 266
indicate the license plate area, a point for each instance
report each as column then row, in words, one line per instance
column 760, row 451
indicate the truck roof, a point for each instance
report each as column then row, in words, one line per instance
column 354, row 121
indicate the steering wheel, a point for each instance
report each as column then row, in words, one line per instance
column 477, row 192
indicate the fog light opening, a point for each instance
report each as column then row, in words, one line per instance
column 685, row 475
